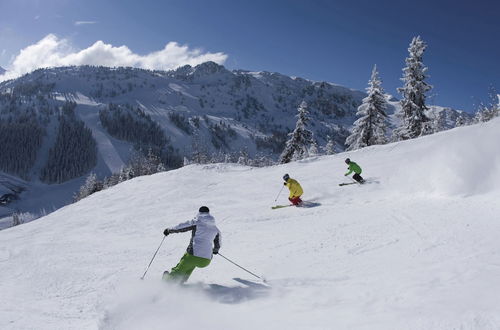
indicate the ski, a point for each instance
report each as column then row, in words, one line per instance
column 347, row 183
column 253, row 284
column 280, row 206
column 304, row 204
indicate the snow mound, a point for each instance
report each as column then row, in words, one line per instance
column 464, row 161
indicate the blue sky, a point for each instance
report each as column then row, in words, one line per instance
column 335, row 41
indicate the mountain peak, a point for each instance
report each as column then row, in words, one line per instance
column 2, row 70
column 209, row 68
column 202, row 70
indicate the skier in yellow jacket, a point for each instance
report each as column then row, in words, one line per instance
column 295, row 190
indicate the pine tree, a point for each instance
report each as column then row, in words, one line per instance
column 440, row 122
column 370, row 128
column 461, row 121
column 243, row 157
column 300, row 139
column 413, row 103
column 90, row 186
column 330, row 146
column 498, row 105
column 126, row 173
column 314, row 150
column 112, row 180
column 199, row 154
column 490, row 110
column 485, row 113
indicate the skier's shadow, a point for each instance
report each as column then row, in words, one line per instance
column 237, row 294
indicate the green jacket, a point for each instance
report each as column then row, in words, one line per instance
column 353, row 167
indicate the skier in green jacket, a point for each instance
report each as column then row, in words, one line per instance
column 353, row 167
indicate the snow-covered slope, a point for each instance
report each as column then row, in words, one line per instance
column 414, row 248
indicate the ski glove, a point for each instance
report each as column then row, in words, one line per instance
column 284, row 183
column 166, row 232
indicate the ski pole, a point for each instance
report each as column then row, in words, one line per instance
column 246, row 270
column 279, row 193
column 154, row 255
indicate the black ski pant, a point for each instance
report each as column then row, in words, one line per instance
column 358, row 178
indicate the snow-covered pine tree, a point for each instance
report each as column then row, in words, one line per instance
column 494, row 102
column 490, row 110
column 485, row 114
column 160, row 167
column 314, row 149
column 300, row 139
column 413, row 123
column 461, row 121
column 330, row 146
column 498, row 105
column 16, row 219
column 243, row 158
column 153, row 163
column 126, row 173
column 90, row 186
column 112, row 180
column 370, row 128
column 199, row 150
column 439, row 124
column 145, row 164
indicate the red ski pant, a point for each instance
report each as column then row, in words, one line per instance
column 295, row 200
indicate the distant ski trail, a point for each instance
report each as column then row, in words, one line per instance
column 90, row 116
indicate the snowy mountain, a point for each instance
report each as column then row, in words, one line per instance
column 229, row 110
column 60, row 124
column 414, row 248
column 2, row 71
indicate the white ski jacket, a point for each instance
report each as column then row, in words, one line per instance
column 203, row 233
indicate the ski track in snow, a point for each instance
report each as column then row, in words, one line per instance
column 387, row 255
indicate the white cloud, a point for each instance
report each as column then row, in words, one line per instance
column 85, row 22
column 52, row 51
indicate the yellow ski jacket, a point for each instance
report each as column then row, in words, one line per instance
column 295, row 188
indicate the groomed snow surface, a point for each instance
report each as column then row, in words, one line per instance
column 417, row 247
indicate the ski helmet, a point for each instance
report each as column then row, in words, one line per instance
column 203, row 209
column 286, row 177
column 347, row 161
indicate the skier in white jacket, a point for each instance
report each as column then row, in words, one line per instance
column 199, row 253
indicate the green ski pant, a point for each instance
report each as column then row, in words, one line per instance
column 185, row 267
